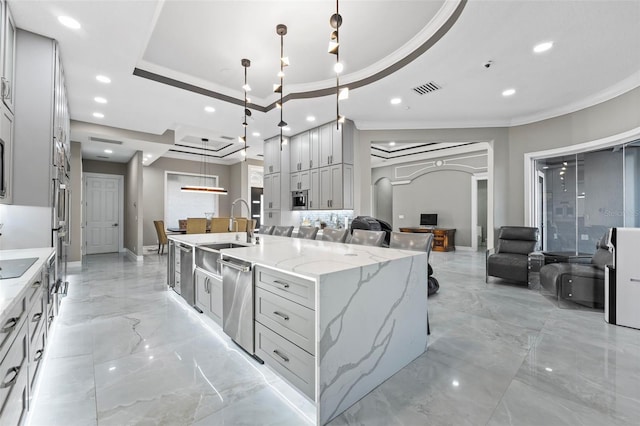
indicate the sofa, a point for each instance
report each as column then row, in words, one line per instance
column 579, row 283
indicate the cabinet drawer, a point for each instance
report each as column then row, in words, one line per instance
column 288, row 286
column 37, row 314
column 13, row 380
column 289, row 319
column 36, row 355
column 294, row 364
column 11, row 324
column 34, row 292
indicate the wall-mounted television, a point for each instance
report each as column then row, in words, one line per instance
column 429, row 219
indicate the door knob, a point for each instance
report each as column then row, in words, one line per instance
column 115, row 224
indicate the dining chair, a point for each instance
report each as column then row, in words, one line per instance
column 196, row 225
column 367, row 238
column 182, row 223
column 282, row 231
column 415, row 242
column 219, row 224
column 265, row 230
column 307, row 232
column 162, row 235
column 334, row 235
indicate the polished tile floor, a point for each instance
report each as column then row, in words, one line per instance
column 126, row 351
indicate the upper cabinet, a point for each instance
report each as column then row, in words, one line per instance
column 300, row 153
column 8, row 56
column 335, row 145
column 272, row 155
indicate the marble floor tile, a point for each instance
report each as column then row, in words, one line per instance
column 127, row 351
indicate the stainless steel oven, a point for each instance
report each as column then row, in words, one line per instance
column 300, row 200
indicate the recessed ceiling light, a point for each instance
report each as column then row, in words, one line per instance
column 256, row 134
column 98, row 115
column 311, row 118
column 69, row 22
column 108, row 151
column 509, row 92
column 209, row 109
column 286, row 129
column 396, row 101
column 543, row 47
column 392, row 143
column 103, row 79
column 100, row 100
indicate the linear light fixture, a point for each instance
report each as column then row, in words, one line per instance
column 246, row 64
column 203, row 189
column 281, row 30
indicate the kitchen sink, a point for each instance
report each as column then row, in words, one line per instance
column 207, row 256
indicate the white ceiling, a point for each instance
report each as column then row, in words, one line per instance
column 596, row 56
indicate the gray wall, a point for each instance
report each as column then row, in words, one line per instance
column 153, row 176
column 609, row 118
column 383, row 200
column 133, row 204
column 74, row 253
column 106, row 167
column 445, row 190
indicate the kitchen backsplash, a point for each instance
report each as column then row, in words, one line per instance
column 330, row 218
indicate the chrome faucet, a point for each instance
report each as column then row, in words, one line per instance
column 231, row 220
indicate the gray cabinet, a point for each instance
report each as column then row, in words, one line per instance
column 285, row 326
column 314, row 148
column 336, row 145
column 209, row 295
column 271, row 155
column 300, row 180
column 314, row 189
column 41, row 121
column 8, row 35
column 300, row 153
column 336, row 187
column 6, row 139
column 272, row 218
column 271, row 191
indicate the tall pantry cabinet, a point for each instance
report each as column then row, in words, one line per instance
column 7, row 91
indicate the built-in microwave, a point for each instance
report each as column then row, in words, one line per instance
column 299, row 200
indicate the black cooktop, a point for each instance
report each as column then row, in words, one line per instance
column 14, row 268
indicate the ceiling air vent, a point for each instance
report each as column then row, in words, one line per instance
column 227, row 138
column 95, row 139
column 102, row 156
column 427, row 88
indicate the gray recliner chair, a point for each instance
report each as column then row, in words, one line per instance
column 334, row 235
column 510, row 260
column 307, row 232
column 579, row 283
column 282, row 231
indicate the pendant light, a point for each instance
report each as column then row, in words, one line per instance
column 205, row 189
column 246, row 64
column 334, row 48
column 281, row 30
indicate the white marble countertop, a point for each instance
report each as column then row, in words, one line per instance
column 12, row 289
column 215, row 237
column 312, row 258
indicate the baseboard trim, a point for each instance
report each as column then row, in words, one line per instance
column 131, row 255
column 77, row 264
column 465, row 248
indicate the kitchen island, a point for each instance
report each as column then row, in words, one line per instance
column 335, row 320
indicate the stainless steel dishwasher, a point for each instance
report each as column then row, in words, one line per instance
column 237, row 301
column 186, row 288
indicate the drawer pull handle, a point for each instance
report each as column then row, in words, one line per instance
column 39, row 354
column 284, row 285
column 37, row 317
column 36, row 284
column 14, row 371
column 283, row 357
column 10, row 325
column 281, row 315
column 635, row 280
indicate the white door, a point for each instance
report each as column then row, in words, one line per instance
column 102, row 227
